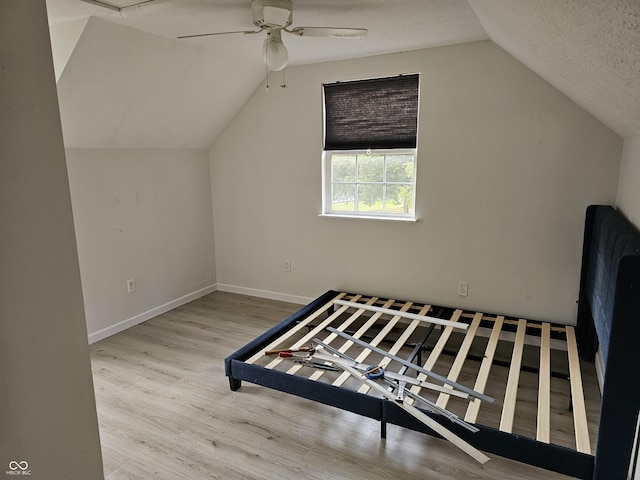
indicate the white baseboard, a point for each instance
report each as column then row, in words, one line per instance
column 255, row 292
column 154, row 312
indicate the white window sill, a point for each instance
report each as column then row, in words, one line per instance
column 370, row 217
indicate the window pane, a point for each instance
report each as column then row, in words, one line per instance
column 343, row 197
column 370, row 198
column 344, row 168
column 378, row 183
column 371, row 168
column 400, row 199
column 399, row 168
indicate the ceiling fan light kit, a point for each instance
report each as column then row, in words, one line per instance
column 274, row 17
column 274, row 54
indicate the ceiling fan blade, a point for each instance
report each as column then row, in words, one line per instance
column 329, row 32
column 245, row 32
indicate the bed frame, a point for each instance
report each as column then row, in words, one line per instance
column 608, row 305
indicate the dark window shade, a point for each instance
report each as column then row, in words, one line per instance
column 380, row 113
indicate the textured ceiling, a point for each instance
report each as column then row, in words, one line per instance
column 130, row 83
column 587, row 49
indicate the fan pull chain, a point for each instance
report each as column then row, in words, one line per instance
column 266, row 67
column 284, row 83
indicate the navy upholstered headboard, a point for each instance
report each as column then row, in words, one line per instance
column 609, row 317
column 612, row 239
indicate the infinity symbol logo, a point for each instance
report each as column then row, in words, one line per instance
column 23, row 465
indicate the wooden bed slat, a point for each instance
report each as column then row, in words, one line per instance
column 398, row 345
column 280, row 340
column 544, row 386
column 411, row 316
column 458, row 363
column 352, row 318
column 361, row 331
column 511, row 393
column 532, row 325
column 577, row 395
column 381, row 336
column 483, row 374
column 435, row 353
column 309, row 336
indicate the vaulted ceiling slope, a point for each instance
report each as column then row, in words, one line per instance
column 130, row 83
column 587, row 49
column 124, row 88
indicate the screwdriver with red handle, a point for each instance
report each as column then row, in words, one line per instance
column 291, row 355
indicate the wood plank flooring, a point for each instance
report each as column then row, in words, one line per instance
column 166, row 412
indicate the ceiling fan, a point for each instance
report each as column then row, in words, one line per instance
column 275, row 17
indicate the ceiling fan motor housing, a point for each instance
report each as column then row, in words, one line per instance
column 272, row 13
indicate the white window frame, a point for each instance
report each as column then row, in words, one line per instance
column 328, row 183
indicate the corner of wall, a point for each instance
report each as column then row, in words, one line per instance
column 142, row 214
column 628, row 194
column 64, row 38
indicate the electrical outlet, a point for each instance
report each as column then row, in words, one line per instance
column 131, row 285
column 286, row 265
column 463, row 289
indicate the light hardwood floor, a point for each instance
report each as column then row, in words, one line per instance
column 166, row 412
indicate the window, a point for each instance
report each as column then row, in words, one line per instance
column 376, row 183
column 370, row 139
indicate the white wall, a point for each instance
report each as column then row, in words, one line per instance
column 628, row 199
column 142, row 214
column 47, row 407
column 506, row 168
column 64, row 38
